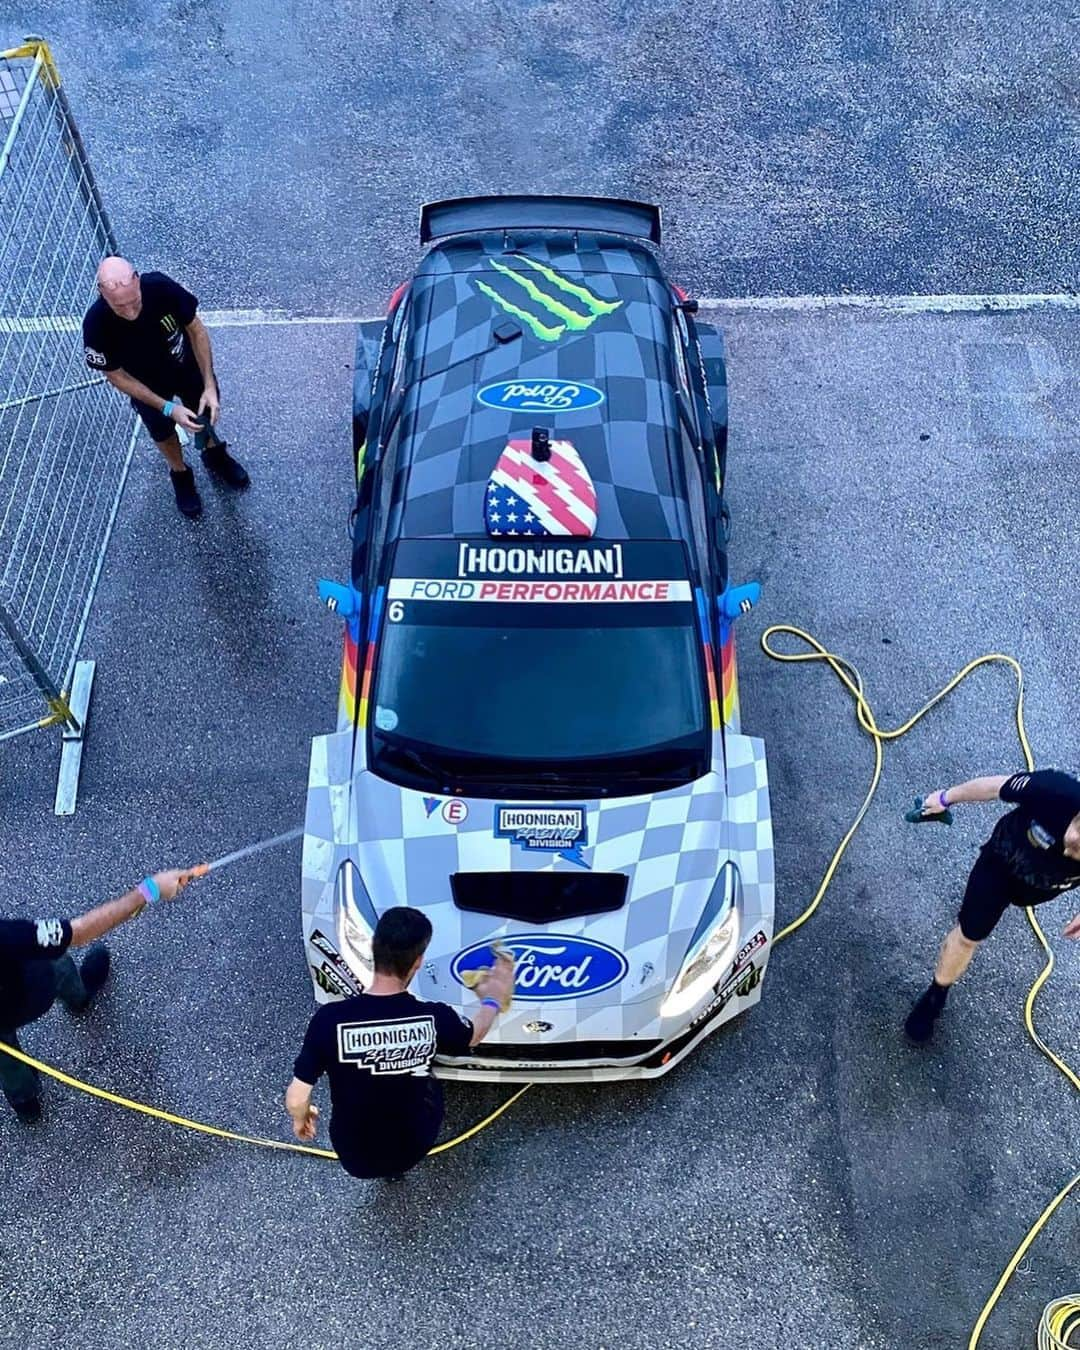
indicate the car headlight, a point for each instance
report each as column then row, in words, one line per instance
column 355, row 921
column 711, row 947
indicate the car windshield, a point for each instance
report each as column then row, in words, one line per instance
column 598, row 695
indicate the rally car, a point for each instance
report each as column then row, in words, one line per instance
column 538, row 738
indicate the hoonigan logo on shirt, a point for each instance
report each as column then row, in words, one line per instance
column 403, row 1046
column 49, row 932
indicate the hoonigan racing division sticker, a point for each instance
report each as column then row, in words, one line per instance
column 550, row 829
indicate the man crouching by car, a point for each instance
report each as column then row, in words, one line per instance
column 377, row 1049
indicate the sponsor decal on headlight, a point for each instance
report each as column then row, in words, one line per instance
column 327, row 978
column 748, row 949
column 337, row 975
column 742, row 982
column 552, row 967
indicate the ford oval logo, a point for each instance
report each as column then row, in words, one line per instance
column 540, row 396
column 550, row 967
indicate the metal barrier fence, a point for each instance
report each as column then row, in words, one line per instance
column 66, row 437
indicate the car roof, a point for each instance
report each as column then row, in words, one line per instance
column 591, row 309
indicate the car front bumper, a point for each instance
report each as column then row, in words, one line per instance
column 575, row 1063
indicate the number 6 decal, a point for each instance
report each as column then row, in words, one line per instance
column 396, row 611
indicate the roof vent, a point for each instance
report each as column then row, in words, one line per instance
column 541, row 444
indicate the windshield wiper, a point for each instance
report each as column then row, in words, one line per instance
column 432, row 772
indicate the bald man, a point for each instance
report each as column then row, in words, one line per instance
column 144, row 334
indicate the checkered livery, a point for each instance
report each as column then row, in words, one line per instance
column 548, row 308
column 671, row 846
column 455, row 440
column 546, row 496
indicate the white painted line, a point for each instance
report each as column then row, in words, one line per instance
column 213, row 318
column 258, row 318
column 899, row 304
column 1007, row 302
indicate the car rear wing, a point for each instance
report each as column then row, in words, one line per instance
column 473, row 215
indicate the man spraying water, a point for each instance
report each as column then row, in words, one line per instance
column 1032, row 856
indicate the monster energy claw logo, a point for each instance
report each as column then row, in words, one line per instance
column 567, row 316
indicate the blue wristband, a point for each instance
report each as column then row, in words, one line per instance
column 149, row 891
column 491, row 1003
column 167, row 410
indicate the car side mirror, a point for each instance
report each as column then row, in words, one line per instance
column 341, row 600
column 738, row 600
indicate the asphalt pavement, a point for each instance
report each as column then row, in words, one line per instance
column 806, row 1177
column 276, row 155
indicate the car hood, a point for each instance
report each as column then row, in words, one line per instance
column 407, row 845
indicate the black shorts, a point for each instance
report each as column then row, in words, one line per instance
column 368, row 1158
column 188, row 389
column 991, row 889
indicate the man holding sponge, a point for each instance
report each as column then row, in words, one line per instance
column 1032, row 855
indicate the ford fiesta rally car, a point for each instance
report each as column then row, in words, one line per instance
column 538, row 736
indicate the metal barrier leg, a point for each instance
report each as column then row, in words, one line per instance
column 67, row 784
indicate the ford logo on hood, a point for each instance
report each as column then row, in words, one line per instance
column 550, row 966
column 540, row 396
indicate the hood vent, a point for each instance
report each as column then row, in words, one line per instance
column 539, row 897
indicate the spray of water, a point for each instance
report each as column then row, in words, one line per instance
column 251, row 849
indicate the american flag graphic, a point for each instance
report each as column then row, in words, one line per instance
column 531, row 496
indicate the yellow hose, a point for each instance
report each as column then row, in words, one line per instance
column 1069, row 1316
column 852, row 682
column 1060, row 1320
column 281, row 1144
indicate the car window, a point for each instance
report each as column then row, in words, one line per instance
column 695, row 498
column 685, row 395
column 679, row 346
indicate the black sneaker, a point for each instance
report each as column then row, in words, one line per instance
column 95, row 969
column 187, row 494
column 28, row 1111
column 919, row 1025
column 218, row 460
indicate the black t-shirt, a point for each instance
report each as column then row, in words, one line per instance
column 23, row 944
column 154, row 347
column 1030, row 839
column 377, row 1051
